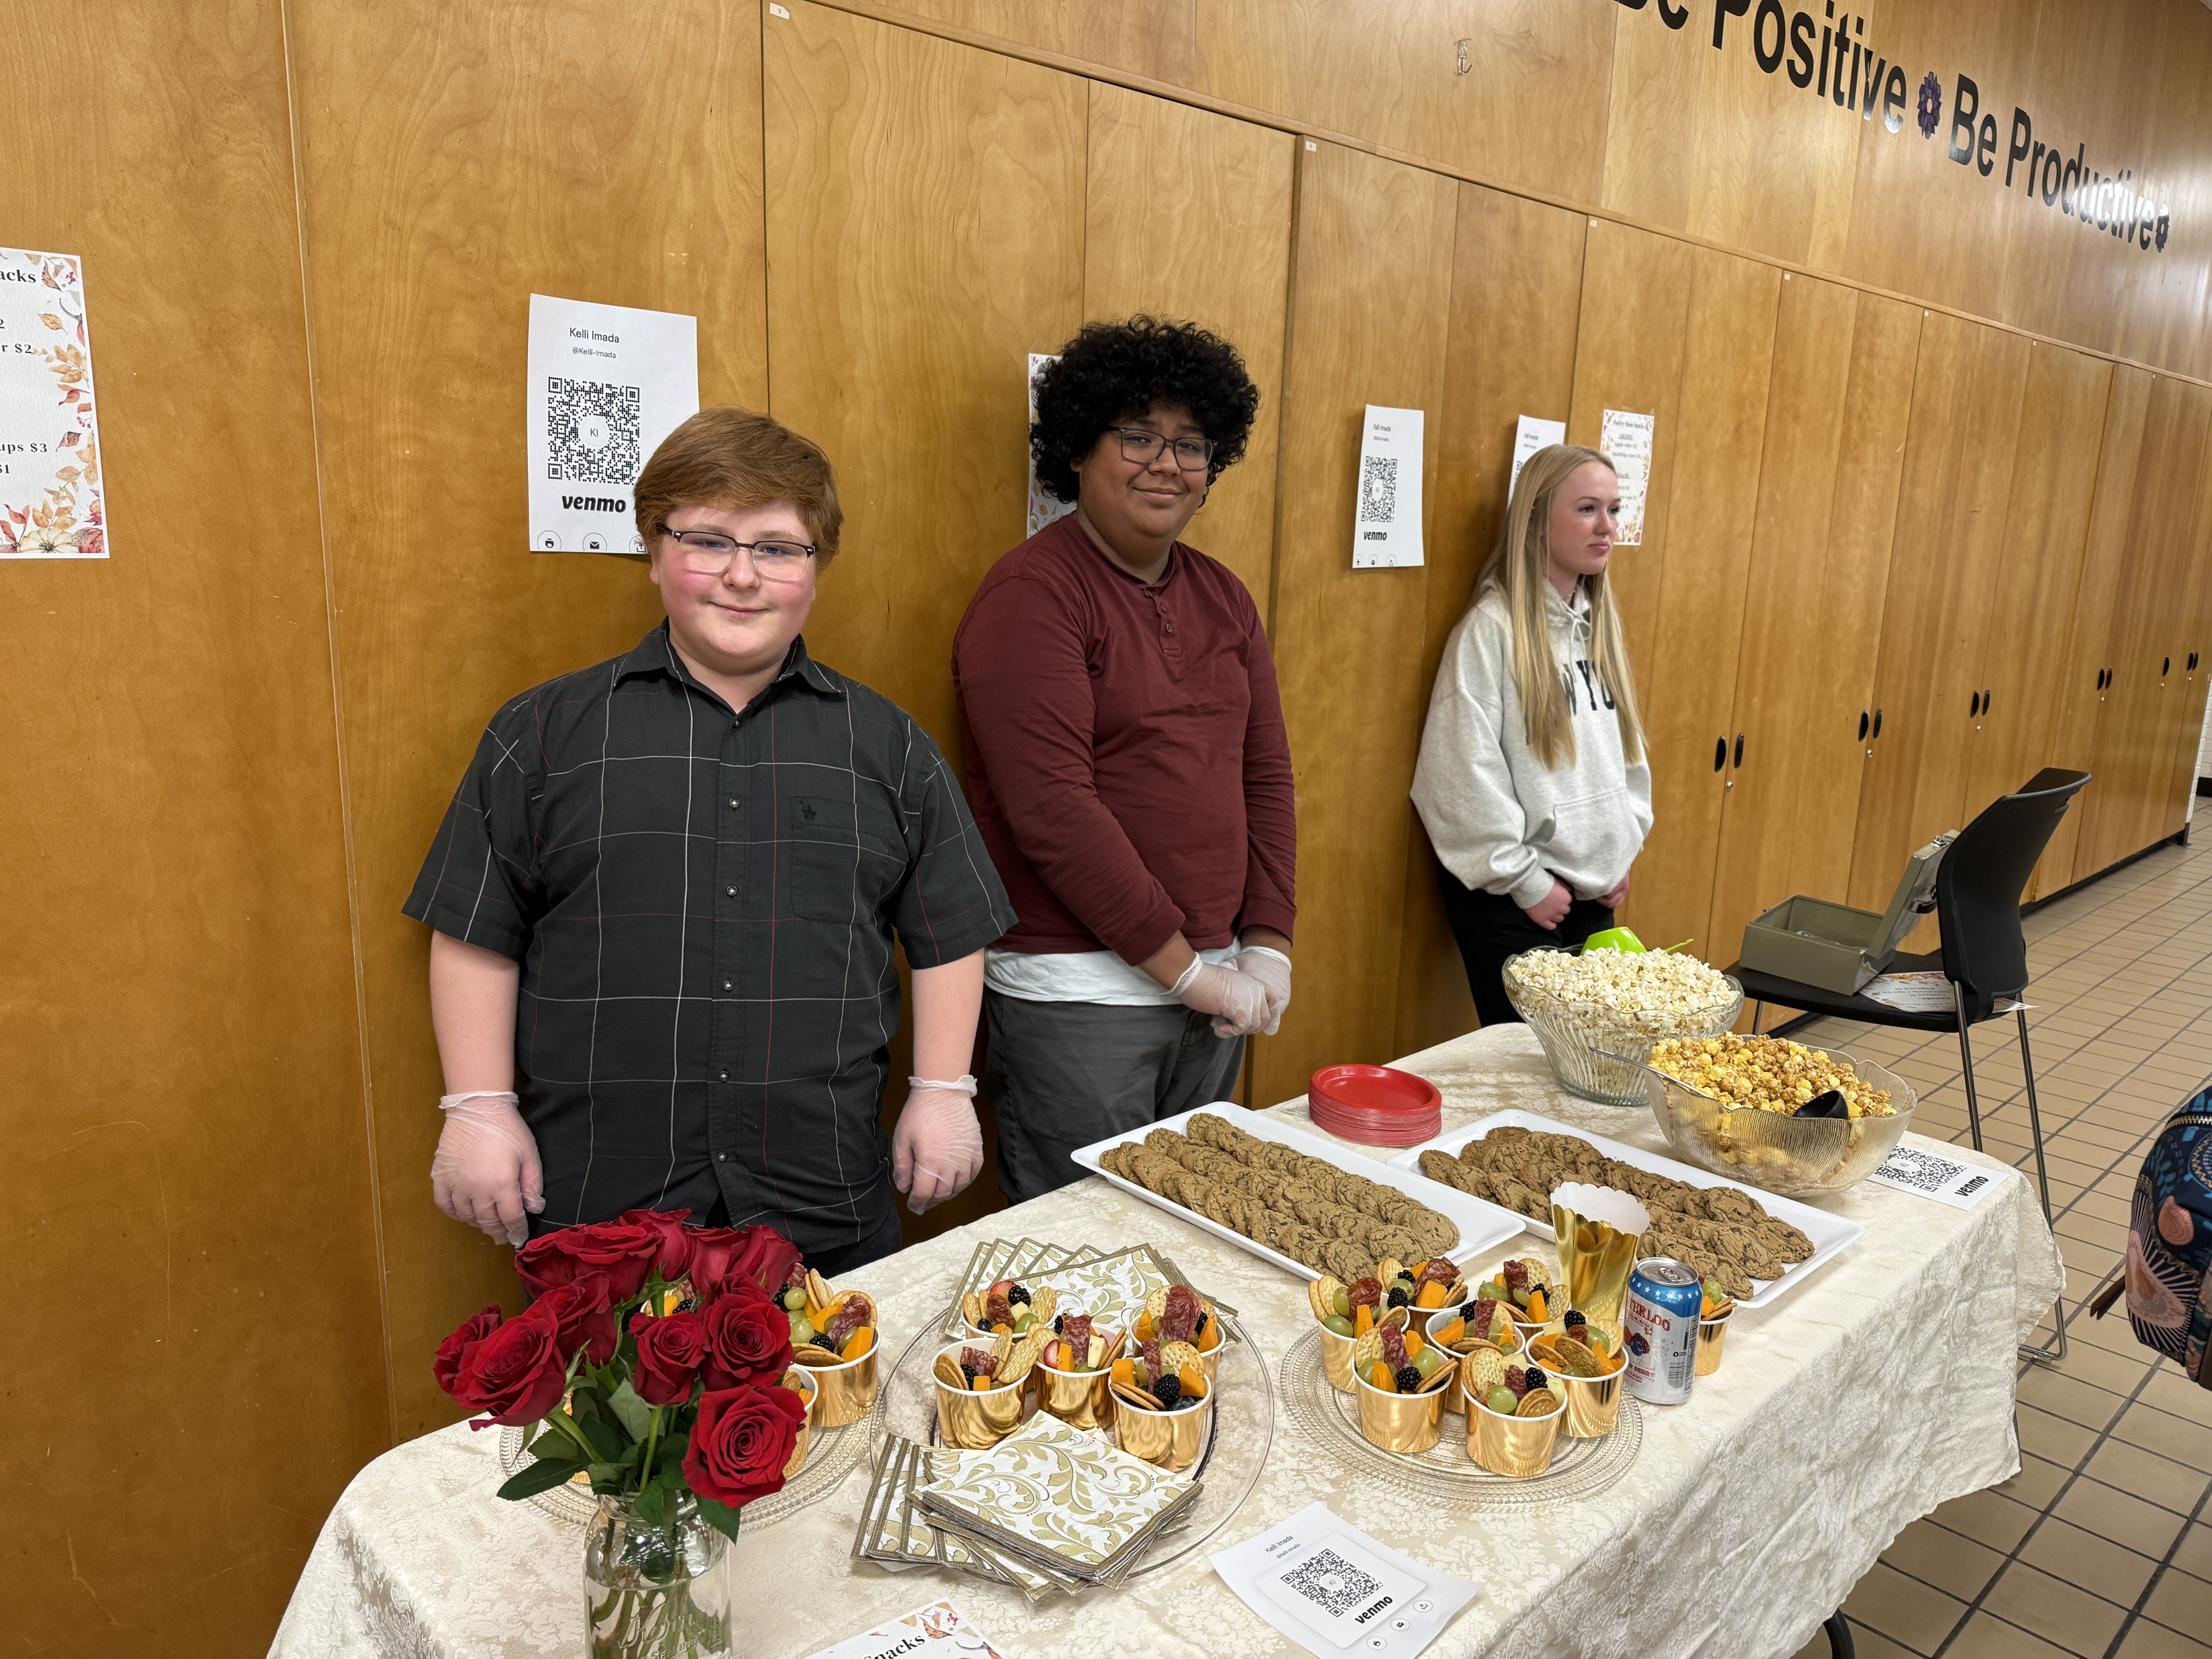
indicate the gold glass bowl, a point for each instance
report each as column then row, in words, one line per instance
column 974, row 1421
column 1790, row 1156
column 843, row 1392
column 1516, row 1446
column 1580, row 1039
column 1405, row 1422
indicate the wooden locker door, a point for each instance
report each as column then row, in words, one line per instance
column 2083, row 695
column 1371, row 305
column 2198, row 671
column 2053, row 487
column 904, row 300
column 2181, row 711
column 1516, row 275
column 1187, row 215
column 1629, row 356
column 1945, row 561
column 1840, row 395
column 1686, row 677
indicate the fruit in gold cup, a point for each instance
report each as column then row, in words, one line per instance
column 1401, row 1383
column 1163, row 1401
column 1073, row 1374
column 1713, row 1315
column 979, row 1403
column 1513, row 1428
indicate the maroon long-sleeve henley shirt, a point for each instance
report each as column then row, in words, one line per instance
column 1127, row 762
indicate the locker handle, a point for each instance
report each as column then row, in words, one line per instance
column 1975, row 707
column 1720, row 752
column 1862, row 725
column 2164, row 667
column 1877, row 723
column 1987, row 697
column 1739, row 748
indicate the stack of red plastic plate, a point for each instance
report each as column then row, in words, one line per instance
column 1375, row 1105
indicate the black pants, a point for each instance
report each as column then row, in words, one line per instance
column 1489, row 927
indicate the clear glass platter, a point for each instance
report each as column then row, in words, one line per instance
column 1580, row 1469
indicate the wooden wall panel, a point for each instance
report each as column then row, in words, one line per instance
column 195, row 1357
column 1945, row 561
column 979, row 232
column 1370, row 301
column 455, row 161
column 2082, row 699
column 1187, row 215
column 2033, row 602
column 1516, row 278
column 1686, row 674
column 1154, row 39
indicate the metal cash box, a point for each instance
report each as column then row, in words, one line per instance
column 1834, row 947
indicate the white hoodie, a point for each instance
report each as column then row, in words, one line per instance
column 1499, row 818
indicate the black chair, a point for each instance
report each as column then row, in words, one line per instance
column 1984, row 954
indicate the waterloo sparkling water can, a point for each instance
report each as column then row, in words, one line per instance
column 1660, row 1330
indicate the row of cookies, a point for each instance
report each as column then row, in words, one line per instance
column 1317, row 1191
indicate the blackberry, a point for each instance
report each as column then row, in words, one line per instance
column 1409, row 1379
column 1167, row 1391
column 1575, row 1317
column 969, row 1371
column 1536, row 1378
column 1059, row 1325
column 1398, row 1298
column 1018, row 1297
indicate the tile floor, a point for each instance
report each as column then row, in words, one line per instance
column 2102, row 1544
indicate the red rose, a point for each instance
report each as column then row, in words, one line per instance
column 445, row 1367
column 516, row 1373
column 742, row 1439
column 721, row 1256
column 669, row 1355
column 748, row 1337
column 622, row 1251
column 585, row 1319
column 675, row 1239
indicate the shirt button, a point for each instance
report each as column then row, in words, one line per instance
column 734, row 803
column 732, row 891
column 726, row 985
column 726, row 1076
column 1170, row 628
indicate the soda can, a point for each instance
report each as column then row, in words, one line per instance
column 1664, row 1299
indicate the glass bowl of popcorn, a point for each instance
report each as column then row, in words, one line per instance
column 1729, row 1104
column 1598, row 1012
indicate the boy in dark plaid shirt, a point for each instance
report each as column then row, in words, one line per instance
column 665, row 893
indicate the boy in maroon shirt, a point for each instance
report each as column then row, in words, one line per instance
column 1126, row 763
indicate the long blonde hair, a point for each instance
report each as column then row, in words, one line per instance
column 1519, row 566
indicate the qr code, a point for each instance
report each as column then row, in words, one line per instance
column 1908, row 1166
column 1331, row 1582
column 593, row 429
column 1379, row 488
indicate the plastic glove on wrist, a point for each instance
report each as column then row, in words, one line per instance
column 485, row 1171
column 1237, row 1001
column 1272, row 970
column 937, row 1148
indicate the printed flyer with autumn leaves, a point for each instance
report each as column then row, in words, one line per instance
column 50, row 496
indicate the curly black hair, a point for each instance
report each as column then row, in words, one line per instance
column 1112, row 371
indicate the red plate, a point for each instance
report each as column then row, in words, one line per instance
column 1375, row 1104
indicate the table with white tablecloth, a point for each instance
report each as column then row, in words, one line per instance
column 1878, row 1390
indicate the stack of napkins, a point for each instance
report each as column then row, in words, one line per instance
column 1048, row 1509
column 1108, row 1287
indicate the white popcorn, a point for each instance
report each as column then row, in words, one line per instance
column 1618, row 1004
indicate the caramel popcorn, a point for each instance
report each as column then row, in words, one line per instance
column 1771, row 1073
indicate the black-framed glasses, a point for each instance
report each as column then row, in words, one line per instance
column 707, row 553
column 1191, row 454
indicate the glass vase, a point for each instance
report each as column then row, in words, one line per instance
column 661, row 1590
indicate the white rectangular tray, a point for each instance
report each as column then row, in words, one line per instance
column 1482, row 1225
column 1830, row 1234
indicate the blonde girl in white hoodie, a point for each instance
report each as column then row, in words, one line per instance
column 1531, row 782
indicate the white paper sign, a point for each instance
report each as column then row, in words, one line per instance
column 1927, row 1174
column 1043, row 509
column 939, row 1628
column 607, row 384
column 1385, row 527
column 1332, row 1589
column 50, row 494
column 1529, row 436
column 1627, row 439
column 1926, row 993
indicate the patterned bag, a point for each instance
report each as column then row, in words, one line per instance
column 2170, row 1242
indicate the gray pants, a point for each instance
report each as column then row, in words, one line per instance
column 1060, row 1075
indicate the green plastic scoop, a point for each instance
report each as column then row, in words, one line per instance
column 1622, row 939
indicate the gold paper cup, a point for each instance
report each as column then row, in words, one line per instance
column 1082, row 1400
column 1516, row 1446
column 1406, row 1423
column 1599, row 1230
column 1593, row 1403
column 1335, row 1360
column 977, row 1422
column 1167, row 1440
column 843, row 1393
column 805, row 1424
column 1712, row 1336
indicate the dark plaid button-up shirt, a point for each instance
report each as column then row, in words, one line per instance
column 703, row 905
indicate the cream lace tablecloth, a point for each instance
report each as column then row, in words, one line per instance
column 1851, row 1407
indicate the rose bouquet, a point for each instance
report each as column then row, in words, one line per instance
column 652, row 1360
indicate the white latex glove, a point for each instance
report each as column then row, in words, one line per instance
column 485, row 1171
column 1272, row 970
column 1238, row 1002
column 938, row 1147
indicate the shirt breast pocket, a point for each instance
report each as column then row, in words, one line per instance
column 843, row 859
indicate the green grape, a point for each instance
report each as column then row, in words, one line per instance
column 1426, row 1362
column 1342, row 1303
column 794, row 1301
column 1501, row 1400
column 1338, row 1323
column 802, row 1331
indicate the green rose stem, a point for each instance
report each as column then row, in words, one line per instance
column 652, row 1440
